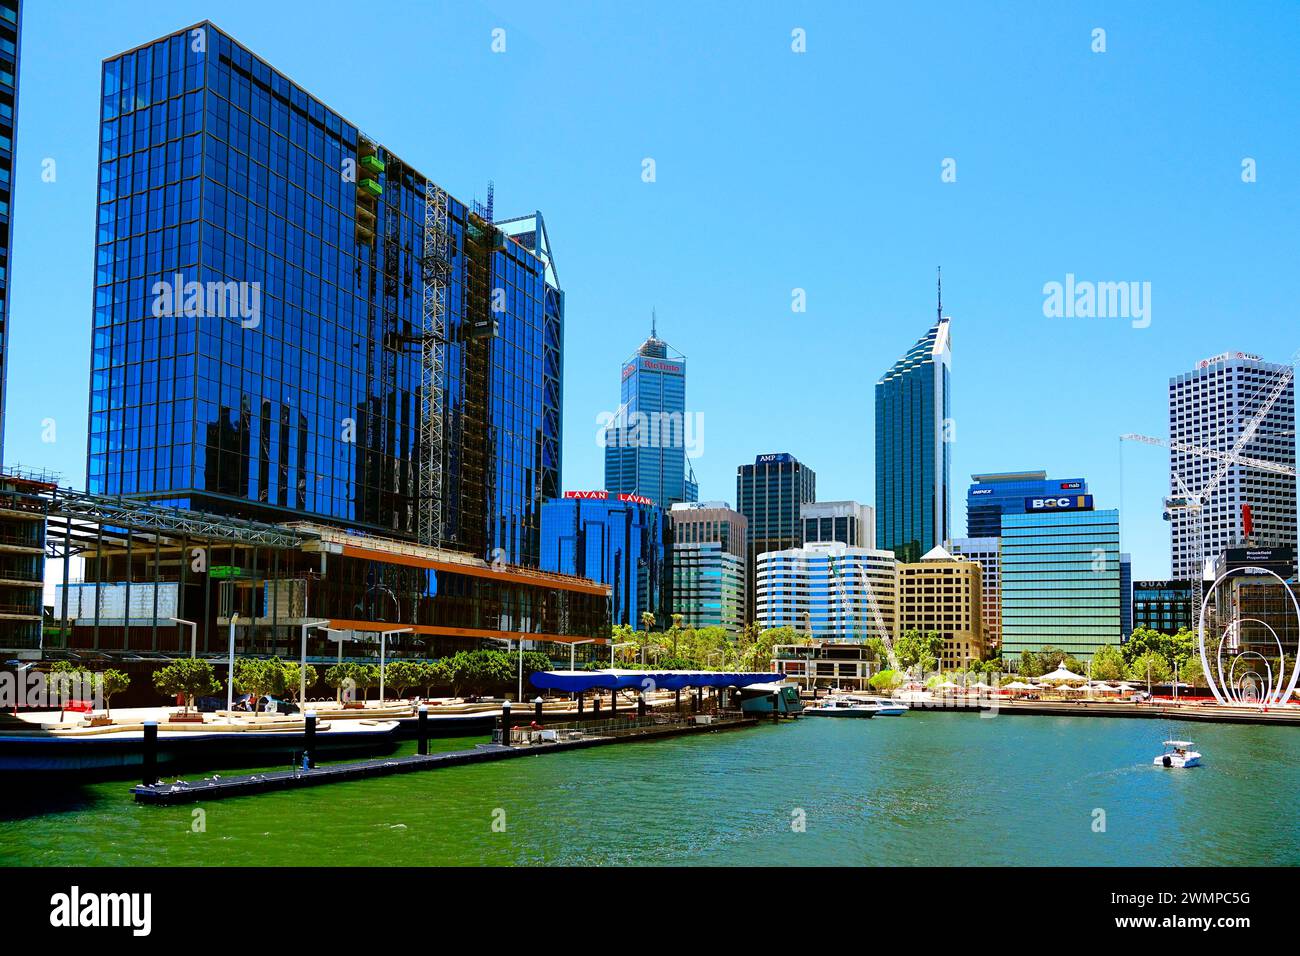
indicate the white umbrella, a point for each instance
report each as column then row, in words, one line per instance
column 1061, row 675
column 947, row 685
column 1018, row 685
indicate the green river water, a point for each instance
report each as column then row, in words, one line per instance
column 927, row 788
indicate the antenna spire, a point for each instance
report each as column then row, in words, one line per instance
column 939, row 271
column 654, row 321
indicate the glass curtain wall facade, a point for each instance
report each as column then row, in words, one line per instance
column 614, row 541
column 647, row 439
column 258, row 309
column 991, row 496
column 708, row 565
column 1060, row 582
column 913, row 460
column 771, row 493
column 1164, row 606
column 11, row 20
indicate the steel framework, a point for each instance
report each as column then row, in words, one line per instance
column 436, row 273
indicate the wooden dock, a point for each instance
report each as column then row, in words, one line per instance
column 218, row 788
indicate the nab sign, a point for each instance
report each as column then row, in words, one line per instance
column 1059, row 503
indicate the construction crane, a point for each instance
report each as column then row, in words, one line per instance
column 435, row 267
column 1194, row 501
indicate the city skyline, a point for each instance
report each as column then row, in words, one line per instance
column 1017, row 403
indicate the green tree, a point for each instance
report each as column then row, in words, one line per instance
column 259, row 677
column 114, row 683
column 1108, row 663
column 917, row 649
column 1174, row 648
column 400, row 675
column 293, row 679
column 340, row 677
column 1031, row 665
column 1150, row 667
column 1192, row 672
column 365, row 676
column 189, row 677
column 886, row 681
column 431, row 673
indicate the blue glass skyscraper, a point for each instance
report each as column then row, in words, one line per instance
column 305, row 392
column 616, row 539
column 912, row 452
column 647, row 439
column 11, row 19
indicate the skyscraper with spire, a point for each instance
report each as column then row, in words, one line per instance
column 647, row 439
column 912, row 453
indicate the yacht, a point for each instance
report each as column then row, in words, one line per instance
column 1179, row 754
column 889, row 707
column 843, row 707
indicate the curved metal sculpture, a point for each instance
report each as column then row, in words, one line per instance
column 1224, row 686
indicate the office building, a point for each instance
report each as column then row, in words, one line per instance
column 293, row 322
column 1164, row 606
column 23, row 511
column 11, row 23
column 770, row 494
column 1060, row 580
column 942, row 593
column 828, row 591
column 647, row 440
column 1208, row 408
column 913, row 418
column 1125, row 595
column 990, row 496
column 985, row 551
column 708, row 565
column 1251, row 609
column 616, row 539
column 825, row 664
column 844, row 521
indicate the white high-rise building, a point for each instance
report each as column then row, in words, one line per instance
column 829, row 591
column 1208, row 408
column 847, row 522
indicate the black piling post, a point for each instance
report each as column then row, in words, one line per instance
column 149, row 761
column 505, row 723
column 423, row 731
column 699, row 699
column 579, row 703
column 309, row 741
column 595, row 706
column 677, row 700
column 776, row 713
column 537, row 708
column 613, row 703
column 640, row 704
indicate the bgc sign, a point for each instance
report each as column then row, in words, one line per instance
column 1059, row 503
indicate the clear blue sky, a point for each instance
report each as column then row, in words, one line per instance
column 778, row 170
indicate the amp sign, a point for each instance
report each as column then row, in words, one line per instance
column 1059, row 503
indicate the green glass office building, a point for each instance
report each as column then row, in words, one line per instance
column 1060, row 581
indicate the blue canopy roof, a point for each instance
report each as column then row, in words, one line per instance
column 581, row 681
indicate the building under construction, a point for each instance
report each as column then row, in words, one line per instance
column 393, row 362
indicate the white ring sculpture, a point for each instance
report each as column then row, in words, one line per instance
column 1273, row 697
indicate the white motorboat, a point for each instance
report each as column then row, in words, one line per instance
column 842, row 707
column 1179, row 754
column 889, row 707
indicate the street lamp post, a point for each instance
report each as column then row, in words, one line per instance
column 194, row 634
column 383, row 640
column 573, row 652
column 230, row 672
column 302, row 666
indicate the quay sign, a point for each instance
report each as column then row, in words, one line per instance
column 1061, row 503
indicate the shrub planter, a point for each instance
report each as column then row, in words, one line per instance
column 98, row 720
column 183, row 718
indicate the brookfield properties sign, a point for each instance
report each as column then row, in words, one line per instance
column 1059, row 503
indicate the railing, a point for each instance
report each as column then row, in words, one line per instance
column 615, row 727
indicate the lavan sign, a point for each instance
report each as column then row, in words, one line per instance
column 1059, row 503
